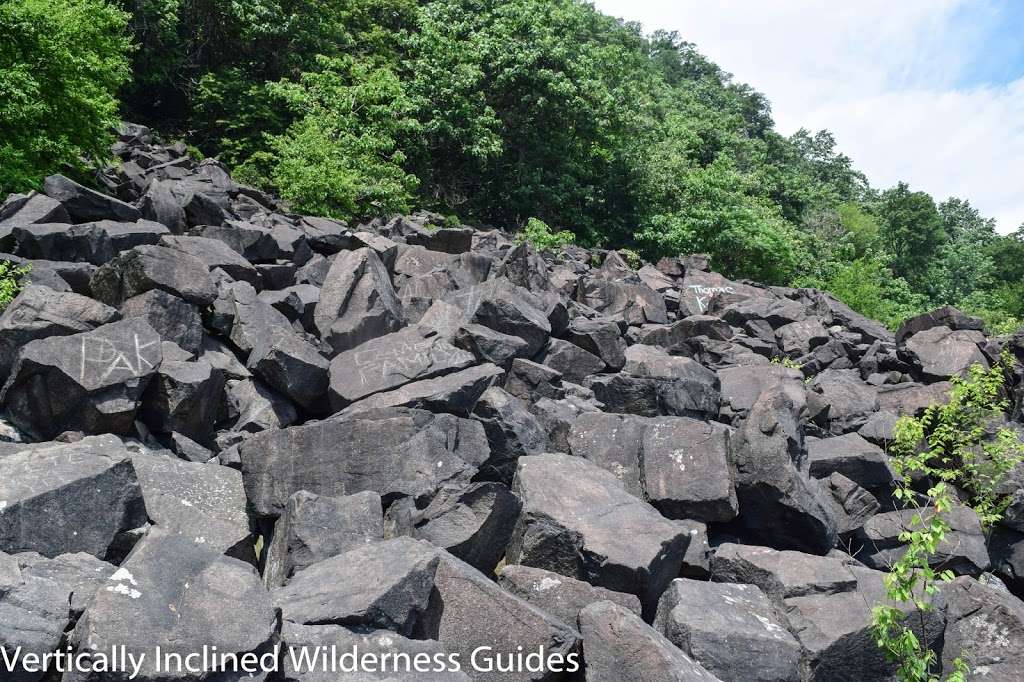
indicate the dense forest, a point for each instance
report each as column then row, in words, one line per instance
column 492, row 112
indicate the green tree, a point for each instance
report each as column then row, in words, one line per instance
column 911, row 231
column 341, row 157
column 61, row 64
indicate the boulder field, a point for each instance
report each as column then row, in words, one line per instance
column 226, row 425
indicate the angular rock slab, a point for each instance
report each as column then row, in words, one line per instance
column 985, row 626
column 316, row 527
column 835, row 631
column 204, row 502
column 384, row 585
column 618, row 645
column 39, row 312
column 473, row 523
column 90, row 382
column 180, row 595
column 599, row 533
column 559, row 595
column 456, row 393
column 469, row 613
column 942, row 352
column 395, row 452
column 153, row 267
column 389, row 362
column 680, row 465
column 357, row 302
column 80, row 573
column 781, row 574
column 33, row 615
column 780, row 505
column 57, row 498
column 731, row 629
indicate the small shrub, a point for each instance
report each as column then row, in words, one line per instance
column 542, row 238
column 787, row 362
column 12, row 281
column 631, row 257
column 452, row 221
column 948, row 445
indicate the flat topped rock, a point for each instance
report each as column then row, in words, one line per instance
column 68, row 497
column 600, row 533
column 733, row 630
column 781, row 574
column 395, row 452
column 391, row 361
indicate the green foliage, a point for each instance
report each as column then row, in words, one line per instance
column 870, row 288
column 911, row 231
column 542, row 238
column 504, row 109
column 341, row 157
column 949, row 445
column 631, row 257
column 786, row 362
column 13, row 279
column 61, row 64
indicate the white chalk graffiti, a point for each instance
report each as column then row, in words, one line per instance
column 703, row 294
column 106, row 354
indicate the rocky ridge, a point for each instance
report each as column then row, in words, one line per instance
column 230, row 425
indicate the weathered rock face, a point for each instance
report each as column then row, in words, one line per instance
column 225, row 424
column 600, row 534
column 618, row 645
column 212, row 600
column 393, row 452
column 730, row 629
column 69, row 497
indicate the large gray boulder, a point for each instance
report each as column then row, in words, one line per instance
column 780, row 505
column 90, row 382
column 941, row 352
column 173, row 318
column 84, row 204
column 384, row 584
column 984, row 626
column 680, row 465
column 474, row 524
column 357, row 302
column 618, row 645
column 855, row 458
column 456, row 393
column 835, row 631
column 215, row 254
column 180, row 595
column 39, row 312
column 33, row 616
column 317, row 527
column 95, row 242
column 183, row 397
column 781, row 574
column 512, row 432
column 69, row 497
column 733, row 630
column 600, row 533
column 395, row 452
column 203, row 502
column 153, row 267
column 81, row 574
column 963, row 550
column 485, row 625
column 391, row 361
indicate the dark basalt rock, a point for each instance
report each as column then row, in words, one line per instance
column 425, row 439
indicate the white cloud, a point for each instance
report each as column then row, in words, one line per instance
column 886, row 77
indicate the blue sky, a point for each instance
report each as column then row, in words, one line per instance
column 926, row 91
